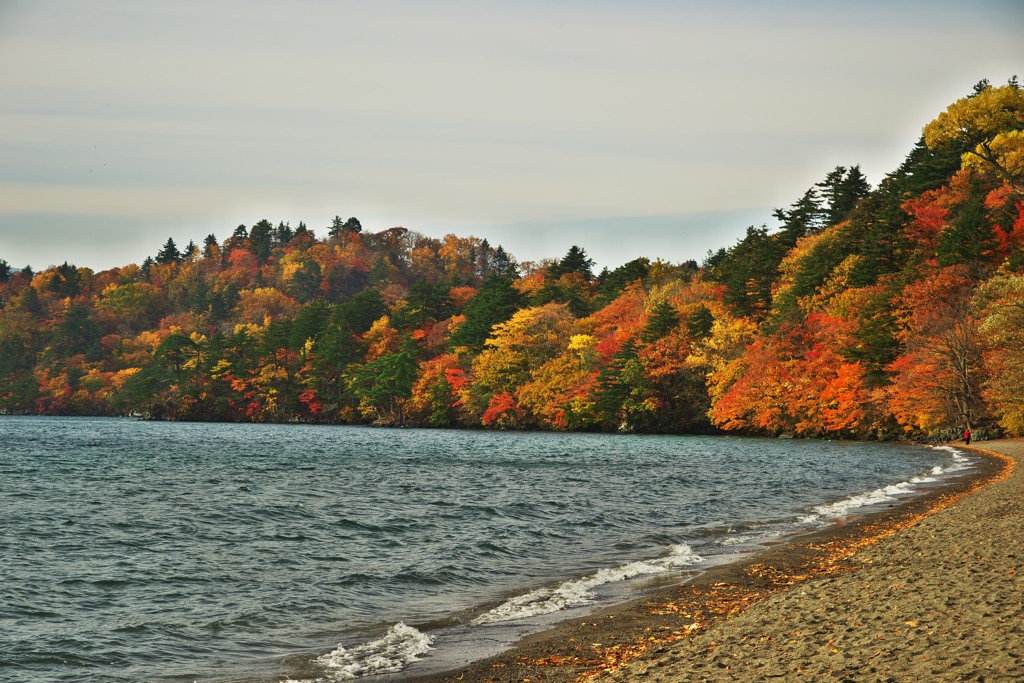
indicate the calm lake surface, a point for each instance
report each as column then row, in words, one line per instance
column 146, row 551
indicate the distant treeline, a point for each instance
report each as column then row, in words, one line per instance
column 871, row 312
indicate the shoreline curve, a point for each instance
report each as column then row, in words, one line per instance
column 930, row 590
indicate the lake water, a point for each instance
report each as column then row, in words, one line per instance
column 147, row 551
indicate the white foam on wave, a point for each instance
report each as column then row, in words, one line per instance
column 579, row 592
column 843, row 507
column 888, row 493
column 735, row 540
column 391, row 653
column 747, row 537
column 960, row 461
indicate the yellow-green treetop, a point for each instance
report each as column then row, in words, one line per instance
column 993, row 120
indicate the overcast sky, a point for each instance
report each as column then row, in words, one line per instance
column 650, row 128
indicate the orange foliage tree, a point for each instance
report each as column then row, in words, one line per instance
column 937, row 380
column 798, row 381
column 435, row 399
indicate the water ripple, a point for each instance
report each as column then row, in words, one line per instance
column 186, row 552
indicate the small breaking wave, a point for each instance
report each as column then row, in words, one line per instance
column 888, row 493
column 842, row 508
column 579, row 592
column 391, row 653
column 960, row 461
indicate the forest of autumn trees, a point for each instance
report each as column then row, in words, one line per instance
column 887, row 312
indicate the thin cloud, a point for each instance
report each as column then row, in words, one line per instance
column 459, row 117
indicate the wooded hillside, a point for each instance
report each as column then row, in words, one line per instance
column 870, row 312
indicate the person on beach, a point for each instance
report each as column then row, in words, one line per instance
column 967, row 436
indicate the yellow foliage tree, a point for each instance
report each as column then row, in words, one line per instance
column 995, row 116
column 255, row 306
column 1002, row 303
column 381, row 339
column 515, row 349
column 560, row 392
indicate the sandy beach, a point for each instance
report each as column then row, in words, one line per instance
column 929, row 591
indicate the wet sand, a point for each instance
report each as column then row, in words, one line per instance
column 929, row 591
